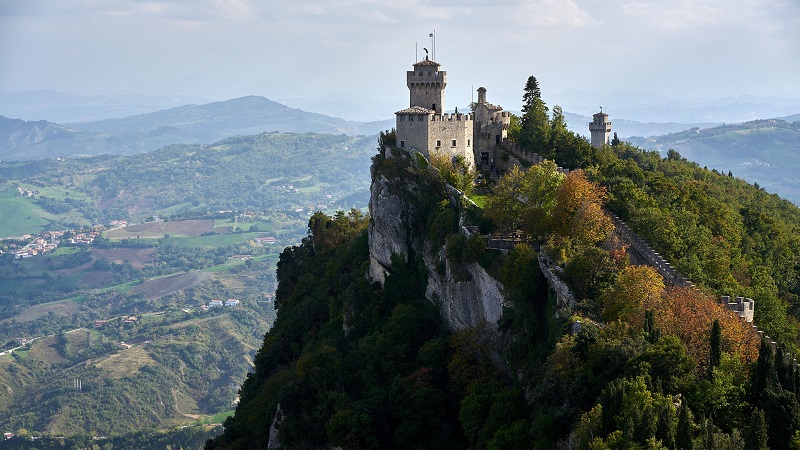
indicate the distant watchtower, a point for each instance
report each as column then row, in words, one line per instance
column 600, row 128
column 426, row 84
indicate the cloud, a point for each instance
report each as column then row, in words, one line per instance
column 687, row 14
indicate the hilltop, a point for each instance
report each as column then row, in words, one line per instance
column 764, row 152
column 189, row 124
column 390, row 333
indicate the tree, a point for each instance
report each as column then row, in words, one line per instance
column 715, row 354
column 505, row 207
column 755, row 437
column 636, row 288
column 615, row 140
column 579, row 210
column 651, row 332
column 535, row 126
column 532, row 93
column 540, row 189
column 684, row 435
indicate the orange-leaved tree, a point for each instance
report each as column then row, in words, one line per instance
column 689, row 313
column 579, row 213
column 637, row 288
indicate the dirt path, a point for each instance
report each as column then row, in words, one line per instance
column 178, row 409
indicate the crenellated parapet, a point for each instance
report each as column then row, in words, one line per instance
column 743, row 307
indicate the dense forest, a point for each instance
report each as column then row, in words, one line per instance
column 635, row 363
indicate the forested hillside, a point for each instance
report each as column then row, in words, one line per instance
column 266, row 172
column 633, row 363
column 763, row 152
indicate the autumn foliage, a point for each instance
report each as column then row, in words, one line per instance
column 689, row 313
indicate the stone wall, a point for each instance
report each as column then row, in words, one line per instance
column 641, row 253
column 743, row 307
column 412, row 130
column 446, row 128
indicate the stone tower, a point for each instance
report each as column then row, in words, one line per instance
column 600, row 128
column 423, row 126
column 426, row 84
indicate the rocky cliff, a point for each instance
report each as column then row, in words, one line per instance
column 404, row 192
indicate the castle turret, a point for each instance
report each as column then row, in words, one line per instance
column 600, row 128
column 423, row 126
column 426, row 84
column 481, row 95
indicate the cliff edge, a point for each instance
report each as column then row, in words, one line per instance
column 412, row 210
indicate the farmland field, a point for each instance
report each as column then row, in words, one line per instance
column 159, row 287
column 155, row 230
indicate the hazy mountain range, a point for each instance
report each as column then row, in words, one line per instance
column 760, row 151
column 188, row 124
column 55, row 124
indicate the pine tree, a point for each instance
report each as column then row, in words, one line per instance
column 535, row 127
column 615, row 140
column 532, row 93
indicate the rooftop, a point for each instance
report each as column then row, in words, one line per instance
column 426, row 62
column 416, row 110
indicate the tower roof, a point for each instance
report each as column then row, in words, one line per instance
column 416, row 110
column 426, row 62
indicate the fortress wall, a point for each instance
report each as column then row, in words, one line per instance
column 449, row 127
column 645, row 254
column 413, row 131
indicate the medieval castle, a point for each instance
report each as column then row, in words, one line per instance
column 476, row 136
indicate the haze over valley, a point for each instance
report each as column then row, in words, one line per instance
column 239, row 224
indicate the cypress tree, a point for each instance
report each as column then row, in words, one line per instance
column 665, row 430
column 756, row 436
column 716, row 351
column 684, row 435
column 650, row 331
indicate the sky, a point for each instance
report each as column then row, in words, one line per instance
column 349, row 57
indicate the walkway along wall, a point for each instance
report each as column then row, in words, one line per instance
column 642, row 253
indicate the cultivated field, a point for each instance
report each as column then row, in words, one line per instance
column 60, row 308
column 136, row 257
column 159, row 287
column 155, row 230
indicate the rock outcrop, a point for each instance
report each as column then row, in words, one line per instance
column 397, row 210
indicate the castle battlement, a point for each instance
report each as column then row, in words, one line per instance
column 743, row 307
column 454, row 117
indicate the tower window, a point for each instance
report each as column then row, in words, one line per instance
column 469, row 142
column 438, row 142
column 453, row 144
column 402, row 144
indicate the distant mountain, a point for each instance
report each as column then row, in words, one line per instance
column 63, row 108
column 240, row 116
column 189, row 124
column 766, row 152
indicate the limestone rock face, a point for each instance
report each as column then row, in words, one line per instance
column 464, row 303
column 388, row 228
column 394, row 230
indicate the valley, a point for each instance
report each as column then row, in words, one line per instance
column 121, row 333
